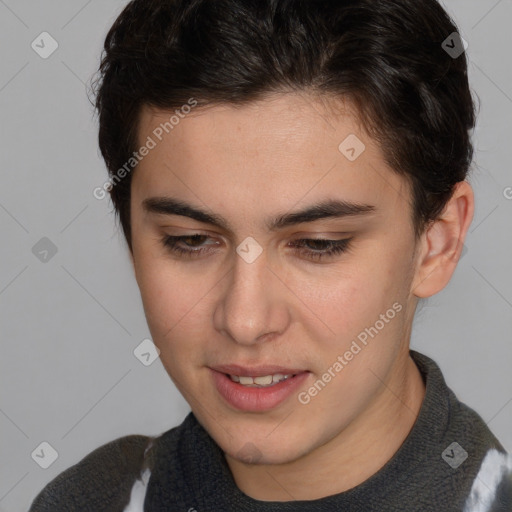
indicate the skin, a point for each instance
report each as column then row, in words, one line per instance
column 250, row 164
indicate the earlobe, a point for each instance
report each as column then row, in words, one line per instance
column 443, row 242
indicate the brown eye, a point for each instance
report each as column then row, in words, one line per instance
column 187, row 245
column 320, row 248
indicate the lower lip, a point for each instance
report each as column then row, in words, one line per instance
column 256, row 399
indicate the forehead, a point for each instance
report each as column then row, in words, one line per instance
column 283, row 150
column 285, row 118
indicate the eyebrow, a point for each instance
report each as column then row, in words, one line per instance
column 326, row 209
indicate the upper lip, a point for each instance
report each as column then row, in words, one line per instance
column 255, row 371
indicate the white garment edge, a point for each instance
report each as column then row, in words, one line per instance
column 138, row 493
column 495, row 467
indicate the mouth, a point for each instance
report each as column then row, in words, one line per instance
column 256, row 389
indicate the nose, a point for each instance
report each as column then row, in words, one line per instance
column 252, row 306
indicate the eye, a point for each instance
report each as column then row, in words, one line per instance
column 187, row 245
column 312, row 248
column 321, row 247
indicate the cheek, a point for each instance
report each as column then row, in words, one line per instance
column 343, row 300
column 347, row 304
column 171, row 317
column 169, row 298
column 359, row 336
column 176, row 303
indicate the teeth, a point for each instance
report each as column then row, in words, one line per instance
column 263, row 381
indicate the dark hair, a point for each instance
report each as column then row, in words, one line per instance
column 386, row 57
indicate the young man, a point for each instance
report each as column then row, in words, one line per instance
column 290, row 179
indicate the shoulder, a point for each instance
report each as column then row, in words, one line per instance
column 459, row 421
column 102, row 480
column 492, row 488
column 483, row 467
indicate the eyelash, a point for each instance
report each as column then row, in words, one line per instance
column 335, row 247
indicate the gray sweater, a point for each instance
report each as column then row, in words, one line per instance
column 450, row 462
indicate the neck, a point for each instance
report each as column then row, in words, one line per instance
column 363, row 448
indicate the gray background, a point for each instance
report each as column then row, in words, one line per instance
column 70, row 324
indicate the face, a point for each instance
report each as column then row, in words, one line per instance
column 233, row 213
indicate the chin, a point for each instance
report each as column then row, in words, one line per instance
column 259, row 449
column 252, row 454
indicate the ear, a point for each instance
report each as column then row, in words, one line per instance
column 442, row 243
